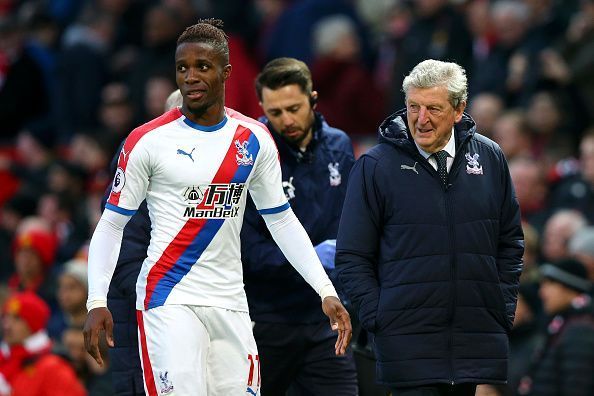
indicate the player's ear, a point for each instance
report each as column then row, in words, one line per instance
column 313, row 99
column 226, row 72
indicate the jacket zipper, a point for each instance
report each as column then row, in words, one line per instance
column 453, row 269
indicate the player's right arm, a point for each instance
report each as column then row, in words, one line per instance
column 103, row 255
column 128, row 190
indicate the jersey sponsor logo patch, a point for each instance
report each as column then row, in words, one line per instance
column 119, row 181
column 193, row 195
column 335, row 177
column 243, row 156
column 213, row 201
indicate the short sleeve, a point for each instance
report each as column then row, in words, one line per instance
column 131, row 178
column 266, row 186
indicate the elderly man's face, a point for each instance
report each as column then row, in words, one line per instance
column 431, row 117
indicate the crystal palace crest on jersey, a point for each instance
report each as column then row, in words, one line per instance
column 243, row 156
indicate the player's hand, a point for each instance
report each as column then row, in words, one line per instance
column 98, row 319
column 339, row 320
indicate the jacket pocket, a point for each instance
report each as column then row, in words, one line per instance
column 368, row 316
column 502, row 310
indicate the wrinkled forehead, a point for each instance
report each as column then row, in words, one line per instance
column 199, row 50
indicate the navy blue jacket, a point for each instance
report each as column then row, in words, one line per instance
column 275, row 290
column 432, row 271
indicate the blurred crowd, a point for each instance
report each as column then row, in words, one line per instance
column 76, row 76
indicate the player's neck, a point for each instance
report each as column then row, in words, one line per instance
column 210, row 116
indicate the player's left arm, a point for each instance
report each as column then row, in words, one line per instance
column 290, row 236
column 292, row 239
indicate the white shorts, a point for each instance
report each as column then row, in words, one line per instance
column 196, row 350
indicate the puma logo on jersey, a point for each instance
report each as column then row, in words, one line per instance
column 182, row 152
column 412, row 168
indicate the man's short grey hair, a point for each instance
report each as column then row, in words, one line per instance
column 433, row 73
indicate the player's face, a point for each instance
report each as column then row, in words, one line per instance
column 201, row 73
column 431, row 117
column 289, row 111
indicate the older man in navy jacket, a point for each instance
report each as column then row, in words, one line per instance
column 430, row 245
column 295, row 342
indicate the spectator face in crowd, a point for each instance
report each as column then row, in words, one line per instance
column 14, row 329
column 511, row 133
column 336, row 37
column 66, row 178
column 555, row 296
column 72, row 290
column 161, row 26
column 57, row 209
column 33, row 145
column 529, row 184
column 157, row 90
column 116, row 112
column 562, row 282
column 543, row 114
column 558, row 230
column 87, row 152
column 478, row 20
column 509, row 22
column 485, row 109
column 23, row 315
column 34, row 252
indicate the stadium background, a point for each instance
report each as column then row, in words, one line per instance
column 77, row 75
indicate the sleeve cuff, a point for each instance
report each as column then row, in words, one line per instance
column 96, row 304
column 328, row 291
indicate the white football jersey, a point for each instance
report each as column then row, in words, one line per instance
column 195, row 180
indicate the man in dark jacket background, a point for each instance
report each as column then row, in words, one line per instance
column 430, row 245
column 295, row 343
column 564, row 363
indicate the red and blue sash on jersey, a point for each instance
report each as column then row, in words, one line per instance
column 195, row 236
